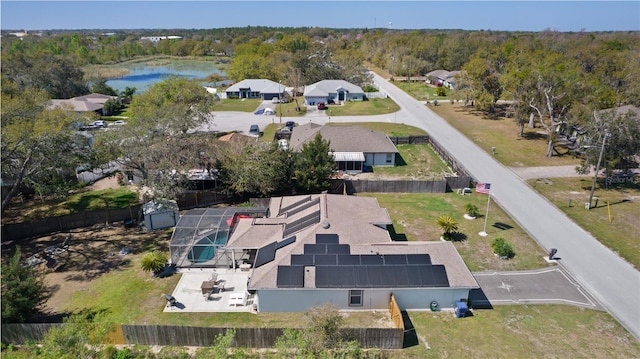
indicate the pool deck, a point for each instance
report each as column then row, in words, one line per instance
column 190, row 298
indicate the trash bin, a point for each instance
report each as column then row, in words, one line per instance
column 434, row 306
column 461, row 309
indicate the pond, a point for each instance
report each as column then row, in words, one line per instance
column 144, row 75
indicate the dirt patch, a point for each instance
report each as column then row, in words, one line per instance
column 91, row 253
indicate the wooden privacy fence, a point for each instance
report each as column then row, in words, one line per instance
column 399, row 186
column 196, row 199
column 396, row 314
column 176, row 335
column 64, row 223
column 409, row 140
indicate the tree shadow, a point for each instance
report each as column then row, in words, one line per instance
column 410, row 335
column 400, row 237
column 534, row 136
column 458, row 237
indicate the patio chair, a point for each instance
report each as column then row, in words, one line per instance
column 171, row 300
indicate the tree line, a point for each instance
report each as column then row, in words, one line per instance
column 555, row 81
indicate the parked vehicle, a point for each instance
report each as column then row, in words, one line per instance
column 99, row 123
column 322, row 106
column 290, row 125
column 119, row 123
column 254, row 130
column 283, row 144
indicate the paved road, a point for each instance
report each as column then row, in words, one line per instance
column 610, row 279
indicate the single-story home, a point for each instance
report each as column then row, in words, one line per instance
column 88, row 103
column 328, row 91
column 353, row 147
column 309, row 250
column 256, row 88
column 442, row 78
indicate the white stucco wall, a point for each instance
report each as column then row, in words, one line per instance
column 379, row 159
column 299, row 300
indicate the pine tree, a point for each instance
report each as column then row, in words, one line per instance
column 22, row 290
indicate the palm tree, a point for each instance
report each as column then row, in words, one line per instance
column 471, row 210
column 448, row 225
column 153, row 262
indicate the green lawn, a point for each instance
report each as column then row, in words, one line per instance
column 521, row 331
column 420, row 90
column 621, row 235
column 415, row 215
column 244, row 105
column 289, row 109
column 120, row 197
column 391, row 129
column 376, row 106
column 502, row 133
column 414, row 162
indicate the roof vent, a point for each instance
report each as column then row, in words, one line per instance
column 326, row 225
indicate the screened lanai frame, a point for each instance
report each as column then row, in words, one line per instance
column 199, row 235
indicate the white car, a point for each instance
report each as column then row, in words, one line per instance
column 283, row 144
column 99, row 123
column 119, row 123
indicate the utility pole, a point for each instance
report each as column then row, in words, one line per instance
column 280, row 99
column 595, row 175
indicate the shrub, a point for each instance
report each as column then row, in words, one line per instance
column 440, row 91
column 502, row 248
column 448, row 225
column 154, row 262
column 471, row 209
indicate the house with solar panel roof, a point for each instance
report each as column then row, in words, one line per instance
column 304, row 251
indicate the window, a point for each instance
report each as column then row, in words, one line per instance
column 355, row 298
column 389, row 157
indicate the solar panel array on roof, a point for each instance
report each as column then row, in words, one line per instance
column 327, row 238
column 266, row 254
column 286, row 242
column 290, row 277
column 380, row 276
column 337, row 268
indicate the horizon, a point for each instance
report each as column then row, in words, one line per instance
column 508, row 16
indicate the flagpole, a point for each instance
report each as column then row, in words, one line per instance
column 486, row 217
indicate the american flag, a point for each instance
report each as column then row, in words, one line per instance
column 483, row 188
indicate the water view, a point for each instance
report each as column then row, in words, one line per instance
column 142, row 76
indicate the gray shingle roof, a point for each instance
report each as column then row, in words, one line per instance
column 258, row 85
column 344, row 138
column 325, row 87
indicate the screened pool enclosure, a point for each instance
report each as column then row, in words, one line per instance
column 200, row 236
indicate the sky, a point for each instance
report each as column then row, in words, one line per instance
column 205, row 14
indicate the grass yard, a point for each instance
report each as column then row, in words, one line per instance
column 420, row 90
column 244, row 105
column 375, row 106
column 391, row 129
column 120, row 197
column 414, row 162
column 414, row 215
column 289, row 109
column 502, row 133
column 521, row 331
column 621, row 235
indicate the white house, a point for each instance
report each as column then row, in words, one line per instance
column 328, row 91
column 353, row 147
column 256, row 88
column 315, row 249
